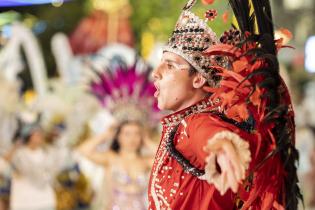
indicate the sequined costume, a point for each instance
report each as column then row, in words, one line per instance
column 122, row 198
column 248, row 109
column 171, row 187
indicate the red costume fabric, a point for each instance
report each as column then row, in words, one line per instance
column 173, row 188
column 253, row 109
column 170, row 186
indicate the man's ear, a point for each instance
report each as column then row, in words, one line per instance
column 199, row 80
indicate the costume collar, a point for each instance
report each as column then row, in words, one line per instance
column 176, row 117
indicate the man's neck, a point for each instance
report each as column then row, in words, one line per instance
column 190, row 102
column 128, row 154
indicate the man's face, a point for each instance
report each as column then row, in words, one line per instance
column 173, row 83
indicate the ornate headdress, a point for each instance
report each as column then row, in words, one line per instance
column 126, row 92
column 191, row 37
column 252, row 94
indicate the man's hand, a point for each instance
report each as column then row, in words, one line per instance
column 228, row 160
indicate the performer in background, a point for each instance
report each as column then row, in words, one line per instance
column 229, row 143
column 127, row 95
column 126, row 169
column 34, row 168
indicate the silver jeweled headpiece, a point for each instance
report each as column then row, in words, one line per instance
column 191, row 37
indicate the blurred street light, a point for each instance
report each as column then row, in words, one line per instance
column 297, row 4
column 310, row 54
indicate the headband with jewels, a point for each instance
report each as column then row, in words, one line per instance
column 191, row 37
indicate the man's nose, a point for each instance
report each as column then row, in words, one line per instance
column 155, row 74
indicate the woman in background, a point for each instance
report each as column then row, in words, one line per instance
column 126, row 169
column 33, row 172
column 35, row 166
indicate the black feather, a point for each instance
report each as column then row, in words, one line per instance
column 276, row 112
column 265, row 25
column 245, row 20
column 263, row 16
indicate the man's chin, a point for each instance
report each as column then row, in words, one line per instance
column 161, row 106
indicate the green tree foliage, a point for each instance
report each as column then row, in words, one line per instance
column 160, row 16
column 155, row 16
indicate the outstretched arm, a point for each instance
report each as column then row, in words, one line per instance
column 227, row 162
column 218, row 147
column 9, row 154
column 88, row 148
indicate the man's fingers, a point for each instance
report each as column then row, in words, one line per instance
column 229, row 178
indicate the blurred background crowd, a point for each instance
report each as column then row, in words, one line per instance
column 78, row 121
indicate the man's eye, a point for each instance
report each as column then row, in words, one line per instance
column 170, row 66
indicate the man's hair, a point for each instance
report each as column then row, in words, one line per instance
column 192, row 70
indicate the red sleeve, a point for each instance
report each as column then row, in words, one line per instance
column 198, row 130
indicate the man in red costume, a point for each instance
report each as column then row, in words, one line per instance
column 229, row 142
